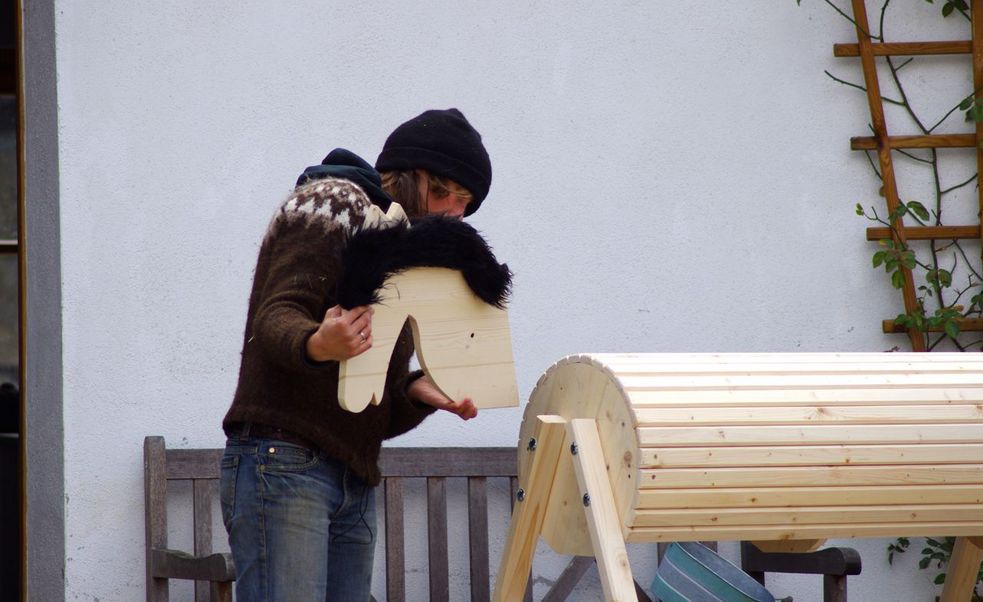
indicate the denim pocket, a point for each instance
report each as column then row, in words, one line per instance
column 228, row 473
column 278, row 456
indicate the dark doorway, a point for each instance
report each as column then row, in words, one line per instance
column 10, row 402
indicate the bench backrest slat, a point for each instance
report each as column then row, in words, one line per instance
column 437, row 539
column 478, row 538
column 395, row 539
column 203, row 491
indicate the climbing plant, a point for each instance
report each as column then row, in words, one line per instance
column 947, row 274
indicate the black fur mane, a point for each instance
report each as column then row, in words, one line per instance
column 372, row 255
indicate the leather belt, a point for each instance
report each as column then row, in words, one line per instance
column 265, row 431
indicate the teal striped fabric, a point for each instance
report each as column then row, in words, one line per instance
column 692, row 572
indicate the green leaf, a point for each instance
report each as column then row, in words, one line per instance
column 878, row 258
column 939, row 579
column 860, row 209
column 908, row 260
column 952, row 329
column 947, row 9
column 923, row 563
column 945, row 278
column 966, row 103
column 918, row 209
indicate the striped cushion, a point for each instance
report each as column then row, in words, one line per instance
column 692, row 572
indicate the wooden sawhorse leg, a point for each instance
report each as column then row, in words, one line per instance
column 530, row 510
column 964, row 567
column 602, row 514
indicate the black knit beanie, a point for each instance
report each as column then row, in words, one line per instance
column 444, row 144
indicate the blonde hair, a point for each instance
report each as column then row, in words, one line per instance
column 402, row 187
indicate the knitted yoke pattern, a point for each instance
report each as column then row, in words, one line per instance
column 294, row 285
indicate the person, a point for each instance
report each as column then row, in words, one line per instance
column 298, row 474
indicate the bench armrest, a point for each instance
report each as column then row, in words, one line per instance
column 829, row 561
column 174, row 564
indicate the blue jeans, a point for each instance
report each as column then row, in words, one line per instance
column 301, row 525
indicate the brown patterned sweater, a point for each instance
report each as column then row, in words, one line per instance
column 294, row 286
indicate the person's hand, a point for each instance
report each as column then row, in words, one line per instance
column 343, row 334
column 424, row 391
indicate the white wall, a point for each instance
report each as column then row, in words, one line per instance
column 667, row 178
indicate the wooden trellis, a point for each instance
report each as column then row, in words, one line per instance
column 884, row 143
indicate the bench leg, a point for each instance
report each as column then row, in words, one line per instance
column 529, row 513
column 602, row 515
column 964, row 567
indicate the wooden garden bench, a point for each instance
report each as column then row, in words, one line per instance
column 214, row 572
column 784, row 450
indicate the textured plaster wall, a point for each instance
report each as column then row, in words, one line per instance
column 667, row 178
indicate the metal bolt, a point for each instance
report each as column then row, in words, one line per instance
column 532, row 444
column 520, row 495
column 586, row 500
column 573, row 448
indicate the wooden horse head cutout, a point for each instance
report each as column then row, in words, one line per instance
column 456, row 312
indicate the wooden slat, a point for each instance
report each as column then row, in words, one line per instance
column 858, row 380
column 805, row 516
column 807, row 397
column 906, row 48
column 775, row 532
column 928, row 233
column 395, row 540
column 810, row 455
column 616, row 361
column 203, row 494
column 965, row 324
column 155, row 511
column 805, row 435
column 193, row 463
column 448, row 462
column 922, row 141
column 478, row 538
column 811, row 476
column 437, row 539
column 854, row 414
column 778, row 497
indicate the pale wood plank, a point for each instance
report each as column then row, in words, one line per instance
column 783, row 532
column 878, row 512
column 602, row 516
column 777, row 415
column 812, row 476
column 964, row 566
column 810, row 434
column 463, row 344
column 617, row 361
column 892, row 396
column 528, row 515
column 780, row 497
column 811, row 455
column 783, row 381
